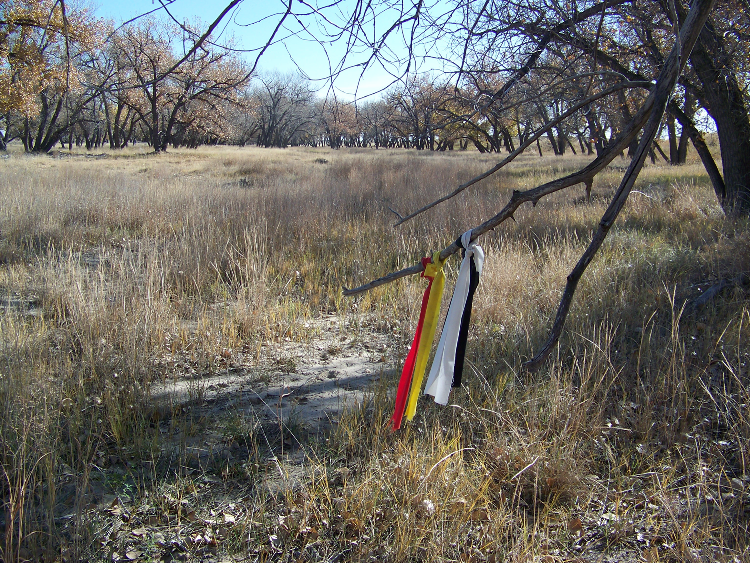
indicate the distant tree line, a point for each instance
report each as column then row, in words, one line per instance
column 68, row 78
column 425, row 113
column 72, row 80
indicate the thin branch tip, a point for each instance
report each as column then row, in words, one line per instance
column 397, row 214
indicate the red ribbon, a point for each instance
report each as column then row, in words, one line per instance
column 407, row 373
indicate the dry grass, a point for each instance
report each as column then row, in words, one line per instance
column 119, row 272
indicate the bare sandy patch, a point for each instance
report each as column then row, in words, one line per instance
column 297, row 388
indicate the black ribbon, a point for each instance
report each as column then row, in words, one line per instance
column 463, row 332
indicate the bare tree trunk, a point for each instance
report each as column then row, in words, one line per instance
column 673, row 158
column 627, row 117
column 595, row 128
column 725, row 101
column 689, row 129
column 684, row 136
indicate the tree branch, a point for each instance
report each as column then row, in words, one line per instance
column 660, row 95
column 525, row 145
column 545, row 39
column 654, row 106
column 717, row 181
column 533, row 195
column 207, row 33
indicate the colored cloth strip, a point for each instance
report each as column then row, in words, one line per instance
column 463, row 334
column 406, row 374
column 448, row 364
column 432, row 313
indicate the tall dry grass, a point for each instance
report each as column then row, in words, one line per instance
column 120, row 272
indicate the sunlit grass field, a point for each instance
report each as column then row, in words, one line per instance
column 122, row 271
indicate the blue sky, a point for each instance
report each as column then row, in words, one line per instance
column 252, row 23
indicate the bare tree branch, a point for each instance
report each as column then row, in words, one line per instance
column 139, row 16
column 651, row 111
column 396, row 213
column 468, row 38
column 660, row 96
column 545, row 40
column 205, row 36
column 524, row 146
column 717, row 181
column 533, row 195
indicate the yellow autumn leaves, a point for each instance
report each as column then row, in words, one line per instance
column 34, row 53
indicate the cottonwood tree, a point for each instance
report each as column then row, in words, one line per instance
column 283, row 109
column 181, row 96
column 44, row 49
column 716, row 74
column 374, row 122
column 338, row 123
column 118, row 96
column 417, row 112
column 200, row 90
column 145, row 52
column 29, row 32
column 488, row 128
column 242, row 119
column 718, row 79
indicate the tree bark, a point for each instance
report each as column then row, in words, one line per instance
column 689, row 129
column 723, row 98
column 684, row 136
column 673, row 158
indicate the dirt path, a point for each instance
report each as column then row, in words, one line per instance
column 293, row 388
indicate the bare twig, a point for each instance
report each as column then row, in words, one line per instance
column 393, row 276
column 529, row 466
column 524, row 146
column 397, row 214
column 197, row 45
column 162, row 6
column 546, row 38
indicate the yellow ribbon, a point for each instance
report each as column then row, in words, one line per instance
column 432, row 270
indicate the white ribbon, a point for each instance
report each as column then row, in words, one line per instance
column 441, row 374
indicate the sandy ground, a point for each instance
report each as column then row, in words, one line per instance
column 248, row 426
column 288, row 391
column 311, row 381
